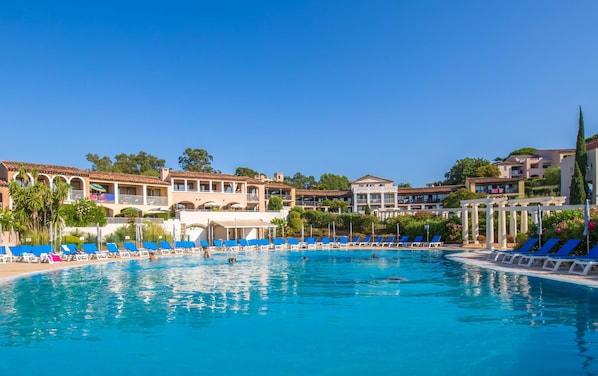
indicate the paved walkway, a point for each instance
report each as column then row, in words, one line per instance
column 479, row 258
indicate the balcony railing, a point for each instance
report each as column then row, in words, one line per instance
column 253, row 197
column 75, row 194
column 157, row 200
column 130, row 199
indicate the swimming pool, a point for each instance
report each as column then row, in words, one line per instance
column 275, row 313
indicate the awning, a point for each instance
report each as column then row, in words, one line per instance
column 97, row 187
column 237, row 206
column 244, row 223
column 211, row 204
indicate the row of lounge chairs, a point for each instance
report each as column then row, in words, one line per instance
column 90, row 251
column 404, row 241
column 548, row 258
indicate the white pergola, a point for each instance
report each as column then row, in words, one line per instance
column 502, row 205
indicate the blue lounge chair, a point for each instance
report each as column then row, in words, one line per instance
column 365, row 241
column 343, row 242
column 377, row 242
column 279, row 243
column 436, row 241
column 114, row 251
column 525, row 247
column 511, row 257
column 153, row 247
column 355, row 240
column 582, row 265
column 310, row 243
column 132, row 247
column 403, row 241
column 293, row 243
column 324, row 242
column 417, row 242
column 565, row 250
column 554, row 263
column 91, row 249
column 166, row 246
column 388, row 242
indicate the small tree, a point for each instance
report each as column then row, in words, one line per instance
column 577, row 193
column 275, row 203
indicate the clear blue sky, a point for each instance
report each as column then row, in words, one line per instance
column 396, row 89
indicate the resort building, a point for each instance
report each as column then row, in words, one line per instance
column 373, row 192
column 568, row 165
column 509, row 187
column 311, row 199
column 526, row 166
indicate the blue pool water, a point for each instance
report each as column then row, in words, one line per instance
column 274, row 313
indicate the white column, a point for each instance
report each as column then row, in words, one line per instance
column 465, row 224
column 502, row 226
column 513, row 224
column 475, row 224
column 524, row 219
column 489, row 226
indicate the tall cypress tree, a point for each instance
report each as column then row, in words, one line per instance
column 577, row 193
column 581, row 154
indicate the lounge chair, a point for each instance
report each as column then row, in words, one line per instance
column 279, row 243
column 310, row 243
column 388, row 242
column 253, row 244
column 354, row 241
column 324, row 242
column 114, row 251
column 231, row 245
column 582, row 265
column 554, row 263
column 403, row 241
column 435, row 242
column 343, row 242
column 565, row 250
column 264, row 244
column 132, row 247
column 366, row 241
column 91, row 249
column 511, row 257
column 377, row 242
column 153, row 247
column 525, row 247
column 417, row 242
column 165, row 245
column 293, row 243
column 218, row 244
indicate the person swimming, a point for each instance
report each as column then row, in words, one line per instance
column 232, row 260
column 374, row 256
column 152, row 256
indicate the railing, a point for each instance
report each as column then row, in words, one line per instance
column 124, row 220
column 75, row 194
column 253, row 197
column 284, row 197
column 130, row 199
column 157, row 200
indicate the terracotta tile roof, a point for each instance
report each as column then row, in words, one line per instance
column 322, row 193
column 45, row 168
column 371, row 177
column 126, row 178
column 205, row 175
column 493, row 180
column 278, row 185
column 429, row 190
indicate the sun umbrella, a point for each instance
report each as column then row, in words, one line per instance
column 97, row 187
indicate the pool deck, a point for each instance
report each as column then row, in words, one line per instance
column 466, row 255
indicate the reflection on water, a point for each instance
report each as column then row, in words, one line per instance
column 193, row 292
